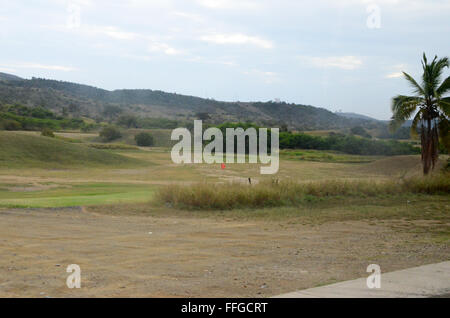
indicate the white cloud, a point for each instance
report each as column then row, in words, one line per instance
column 229, row 4
column 220, row 61
column 109, row 31
column 155, row 44
column 394, row 75
column 118, row 34
column 189, row 16
column 397, row 71
column 343, row 62
column 164, row 48
column 266, row 77
column 7, row 70
column 237, row 38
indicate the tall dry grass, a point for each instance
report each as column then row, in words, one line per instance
column 206, row 196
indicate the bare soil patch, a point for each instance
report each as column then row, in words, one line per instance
column 145, row 256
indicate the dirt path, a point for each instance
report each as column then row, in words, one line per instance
column 190, row 257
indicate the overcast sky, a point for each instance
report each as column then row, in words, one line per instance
column 341, row 55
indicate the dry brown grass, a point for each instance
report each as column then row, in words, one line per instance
column 289, row 193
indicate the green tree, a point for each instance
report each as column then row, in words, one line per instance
column 431, row 110
column 110, row 133
column 144, row 139
column 128, row 121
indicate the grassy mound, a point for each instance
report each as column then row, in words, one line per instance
column 286, row 193
column 20, row 150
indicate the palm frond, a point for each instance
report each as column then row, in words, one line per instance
column 444, row 132
column 427, row 77
column 444, row 88
column 415, row 123
column 437, row 70
column 402, row 108
column 417, row 88
column 444, row 105
column 432, row 75
column 424, row 60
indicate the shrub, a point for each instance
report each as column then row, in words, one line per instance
column 144, row 139
column 110, row 133
column 10, row 124
column 47, row 132
column 87, row 127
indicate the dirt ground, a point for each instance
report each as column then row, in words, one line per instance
column 143, row 256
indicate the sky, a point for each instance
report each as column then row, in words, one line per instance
column 342, row 55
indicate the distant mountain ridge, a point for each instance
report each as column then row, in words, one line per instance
column 9, row 77
column 92, row 102
column 354, row 115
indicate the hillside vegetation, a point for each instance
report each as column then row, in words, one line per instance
column 83, row 100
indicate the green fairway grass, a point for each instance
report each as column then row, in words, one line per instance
column 76, row 195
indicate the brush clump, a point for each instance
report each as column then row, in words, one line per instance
column 273, row 193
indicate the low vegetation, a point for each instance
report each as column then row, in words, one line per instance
column 112, row 146
column 132, row 121
column 46, row 132
column 19, row 117
column 349, row 144
column 325, row 156
column 346, row 144
column 288, row 193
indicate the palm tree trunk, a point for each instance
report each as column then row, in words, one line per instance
column 426, row 142
column 429, row 141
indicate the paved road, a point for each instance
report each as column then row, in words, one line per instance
column 423, row 281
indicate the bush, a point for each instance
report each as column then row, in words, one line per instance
column 110, row 133
column 10, row 124
column 87, row 127
column 47, row 133
column 144, row 139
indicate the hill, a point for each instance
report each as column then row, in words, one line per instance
column 354, row 115
column 82, row 100
column 21, row 150
column 9, row 77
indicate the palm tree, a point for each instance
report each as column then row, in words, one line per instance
column 431, row 110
